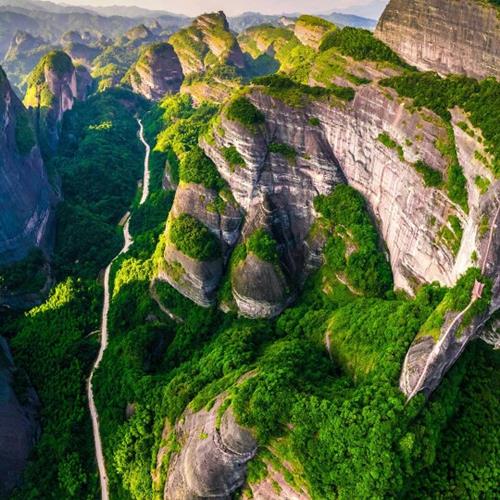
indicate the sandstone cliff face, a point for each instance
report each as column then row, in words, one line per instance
column 211, row 463
column 446, row 36
column 310, row 30
column 157, row 72
column 19, row 427
column 199, row 280
column 25, row 192
column 345, row 146
column 429, row 358
column 53, row 87
column 207, row 42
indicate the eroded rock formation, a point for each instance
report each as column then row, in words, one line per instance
column 446, row 36
column 19, row 426
column 207, row 42
column 212, row 461
column 25, row 192
column 157, row 72
column 199, row 280
column 53, row 87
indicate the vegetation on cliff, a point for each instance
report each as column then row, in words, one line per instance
column 193, row 238
column 480, row 100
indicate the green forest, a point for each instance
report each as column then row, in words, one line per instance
column 317, row 386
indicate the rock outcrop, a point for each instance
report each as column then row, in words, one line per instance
column 211, row 463
column 430, row 356
column 199, row 280
column 25, row 193
column 310, row 30
column 446, row 36
column 207, row 42
column 157, row 72
column 53, row 87
column 344, row 145
column 19, row 427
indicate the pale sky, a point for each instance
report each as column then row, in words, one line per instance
column 369, row 8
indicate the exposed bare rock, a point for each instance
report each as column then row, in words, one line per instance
column 207, row 42
column 26, row 197
column 52, row 89
column 259, row 288
column 19, row 427
column 196, row 280
column 157, row 72
column 23, row 42
column 446, row 36
column 139, row 35
column 211, row 463
column 310, row 30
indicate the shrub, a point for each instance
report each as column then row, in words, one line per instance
column 193, row 238
column 366, row 268
column 233, row 157
column 390, row 143
column 196, row 167
column 297, row 94
column 283, row 149
column 243, row 111
column 25, row 137
column 359, row 44
column 432, row 178
column 263, row 245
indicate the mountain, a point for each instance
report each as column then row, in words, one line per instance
column 18, row 422
column 52, row 89
column 350, row 20
column 26, row 198
column 369, row 9
column 23, row 54
column 207, row 42
column 288, row 241
column 157, row 72
column 474, row 34
column 52, row 25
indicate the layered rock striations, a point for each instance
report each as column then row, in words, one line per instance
column 347, row 144
column 207, row 42
column 446, row 36
column 157, row 72
column 199, row 278
column 53, row 87
column 435, row 350
column 310, row 30
column 19, row 427
column 212, row 461
column 25, row 193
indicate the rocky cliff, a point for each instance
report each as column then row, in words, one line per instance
column 207, row 42
column 25, row 192
column 211, row 463
column 157, row 72
column 310, row 30
column 19, row 427
column 53, row 87
column 446, row 36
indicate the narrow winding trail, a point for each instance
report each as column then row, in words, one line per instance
column 145, row 180
column 476, row 294
column 128, row 242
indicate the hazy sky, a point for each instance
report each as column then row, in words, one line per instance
column 369, row 8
